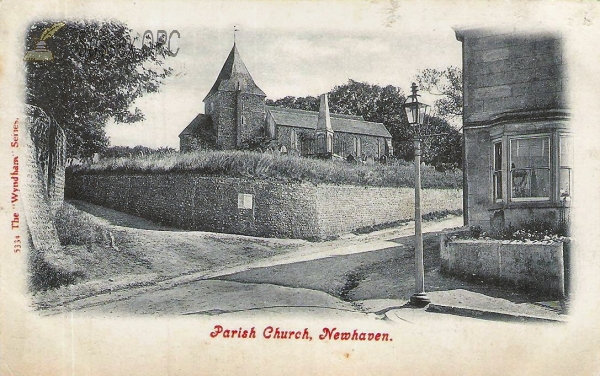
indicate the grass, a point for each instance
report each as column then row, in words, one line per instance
column 286, row 168
column 75, row 227
column 83, row 242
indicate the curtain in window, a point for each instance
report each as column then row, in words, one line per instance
column 530, row 168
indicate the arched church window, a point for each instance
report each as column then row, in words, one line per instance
column 320, row 143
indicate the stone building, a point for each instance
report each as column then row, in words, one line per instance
column 517, row 140
column 235, row 113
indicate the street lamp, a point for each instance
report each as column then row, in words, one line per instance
column 415, row 112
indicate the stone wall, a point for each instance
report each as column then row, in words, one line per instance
column 42, row 176
column 344, row 145
column 478, row 161
column 507, row 71
column 189, row 142
column 55, row 170
column 284, row 137
column 534, row 266
column 224, row 115
column 356, row 207
column 237, row 117
column 250, row 117
column 271, row 209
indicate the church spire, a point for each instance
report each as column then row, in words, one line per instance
column 324, row 120
column 235, row 76
column 324, row 131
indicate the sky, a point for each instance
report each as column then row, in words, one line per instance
column 299, row 49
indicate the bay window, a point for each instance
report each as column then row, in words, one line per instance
column 530, row 168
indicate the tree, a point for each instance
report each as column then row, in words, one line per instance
column 383, row 104
column 302, row 103
column 447, row 84
column 96, row 75
column 377, row 104
column 373, row 102
column 443, row 149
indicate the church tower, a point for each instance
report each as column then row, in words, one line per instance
column 324, row 131
column 235, row 104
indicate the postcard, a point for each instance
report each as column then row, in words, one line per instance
column 299, row 187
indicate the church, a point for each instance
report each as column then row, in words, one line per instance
column 235, row 113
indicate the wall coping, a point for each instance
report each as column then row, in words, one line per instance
column 511, row 242
column 248, row 179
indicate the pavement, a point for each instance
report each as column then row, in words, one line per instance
column 479, row 306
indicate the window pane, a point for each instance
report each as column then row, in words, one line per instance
column 565, row 182
column 532, row 183
column 497, row 185
column 540, row 183
column 566, row 151
column 530, row 152
column 498, row 156
column 529, row 168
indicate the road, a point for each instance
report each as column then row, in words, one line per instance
column 176, row 260
column 354, row 276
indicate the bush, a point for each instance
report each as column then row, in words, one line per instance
column 532, row 230
column 535, row 229
column 128, row 152
column 288, row 168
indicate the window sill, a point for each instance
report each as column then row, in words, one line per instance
column 528, row 204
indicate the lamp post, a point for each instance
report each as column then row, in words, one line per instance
column 415, row 112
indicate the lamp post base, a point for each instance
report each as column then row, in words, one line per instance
column 419, row 300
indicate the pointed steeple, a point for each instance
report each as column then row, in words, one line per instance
column 234, row 76
column 324, row 131
column 324, row 121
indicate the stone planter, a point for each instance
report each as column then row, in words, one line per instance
column 534, row 266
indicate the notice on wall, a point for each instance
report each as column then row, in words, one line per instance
column 245, row 201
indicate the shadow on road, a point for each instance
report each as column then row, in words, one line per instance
column 117, row 218
column 380, row 274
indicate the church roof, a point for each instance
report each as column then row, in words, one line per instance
column 200, row 124
column 339, row 122
column 234, row 75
